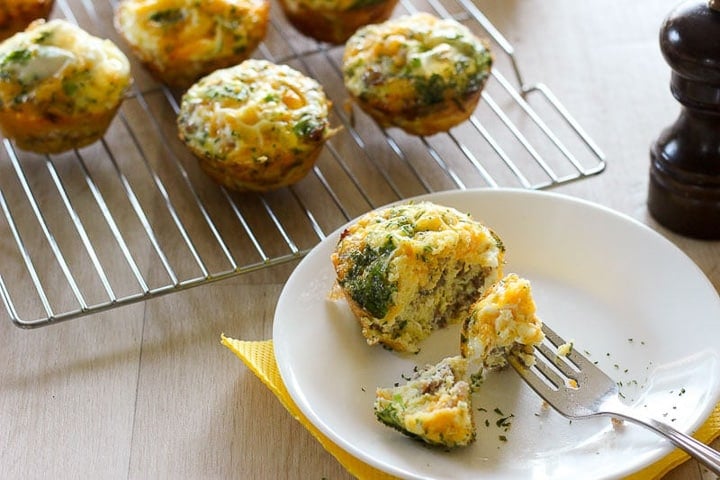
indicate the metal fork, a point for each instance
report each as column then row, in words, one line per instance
column 577, row 389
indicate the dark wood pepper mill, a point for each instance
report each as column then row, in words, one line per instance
column 684, row 190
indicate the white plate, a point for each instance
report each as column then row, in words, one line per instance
column 628, row 298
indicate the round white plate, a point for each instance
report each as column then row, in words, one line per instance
column 628, row 298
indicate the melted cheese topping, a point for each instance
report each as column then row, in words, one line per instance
column 170, row 31
column 59, row 68
column 414, row 61
column 253, row 112
column 503, row 322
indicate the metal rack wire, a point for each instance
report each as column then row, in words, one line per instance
column 137, row 209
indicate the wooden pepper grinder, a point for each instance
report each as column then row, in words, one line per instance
column 684, row 189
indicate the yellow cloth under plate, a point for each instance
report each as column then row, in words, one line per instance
column 260, row 359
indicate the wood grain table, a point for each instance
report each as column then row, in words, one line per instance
column 145, row 390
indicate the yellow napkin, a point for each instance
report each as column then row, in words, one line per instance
column 260, row 359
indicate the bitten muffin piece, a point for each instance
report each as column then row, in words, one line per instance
column 502, row 322
column 59, row 86
column 434, row 406
column 256, row 126
column 16, row 15
column 406, row 270
column 180, row 41
column 420, row 73
column 334, row 21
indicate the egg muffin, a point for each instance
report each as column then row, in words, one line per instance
column 60, row 87
column 16, row 15
column 180, row 41
column 408, row 269
column 502, row 322
column 334, row 21
column 434, row 405
column 418, row 72
column 257, row 126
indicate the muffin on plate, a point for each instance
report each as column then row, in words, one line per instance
column 434, row 405
column 60, row 87
column 502, row 322
column 180, row 41
column 334, row 21
column 16, row 15
column 418, row 72
column 257, row 126
column 408, row 269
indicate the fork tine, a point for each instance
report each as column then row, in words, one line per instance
column 580, row 361
column 549, row 372
column 537, row 379
column 557, row 361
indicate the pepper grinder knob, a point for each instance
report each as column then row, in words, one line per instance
column 684, row 187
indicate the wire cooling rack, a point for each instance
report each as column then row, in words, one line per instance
column 132, row 217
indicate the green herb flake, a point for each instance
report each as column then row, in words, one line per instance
column 504, row 422
column 310, row 128
column 21, row 57
column 367, row 279
column 430, row 90
column 167, row 17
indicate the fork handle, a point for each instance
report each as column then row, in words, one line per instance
column 698, row 450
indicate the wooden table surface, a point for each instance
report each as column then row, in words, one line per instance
column 146, row 390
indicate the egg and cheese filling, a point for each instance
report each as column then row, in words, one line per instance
column 434, row 405
column 502, row 322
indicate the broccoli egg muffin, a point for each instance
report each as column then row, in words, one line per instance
column 334, row 21
column 419, row 72
column 409, row 269
column 257, row 126
column 434, row 405
column 502, row 322
column 16, row 15
column 180, row 41
column 59, row 86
